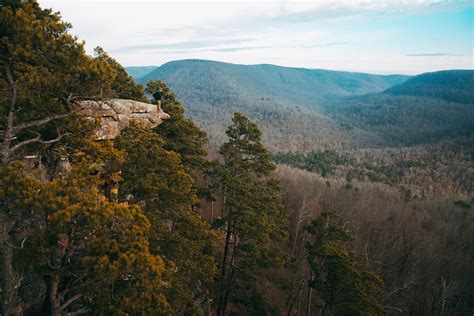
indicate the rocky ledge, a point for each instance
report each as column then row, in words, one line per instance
column 114, row 115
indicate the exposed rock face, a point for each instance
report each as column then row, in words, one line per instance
column 114, row 115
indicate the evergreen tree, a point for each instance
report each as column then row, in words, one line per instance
column 180, row 134
column 254, row 218
column 121, row 84
column 44, row 71
column 341, row 278
column 94, row 253
column 18, row 200
column 155, row 178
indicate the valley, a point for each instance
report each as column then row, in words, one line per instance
column 212, row 188
column 415, row 133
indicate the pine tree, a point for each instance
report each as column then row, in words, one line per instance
column 155, row 178
column 18, row 200
column 93, row 252
column 254, row 217
column 44, row 71
column 180, row 134
column 341, row 278
column 121, row 84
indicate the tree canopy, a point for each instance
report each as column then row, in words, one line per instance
column 340, row 277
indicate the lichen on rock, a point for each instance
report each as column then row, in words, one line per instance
column 113, row 115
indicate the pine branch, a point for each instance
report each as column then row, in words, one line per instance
column 40, row 122
column 70, row 301
column 37, row 139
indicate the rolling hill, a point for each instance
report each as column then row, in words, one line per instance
column 305, row 109
column 282, row 83
column 424, row 109
column 286, row 102
column 139, row 71
column 449, row 85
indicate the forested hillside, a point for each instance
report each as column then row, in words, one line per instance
column 425, row 109
column 306, row 86
column 449, row 85
column 286, row 102
column 140, row 71
column 395, row 121
column 304, row 109
column 98, row 218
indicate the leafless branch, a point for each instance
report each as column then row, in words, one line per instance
column 398, row 289
column 40, row 122
column 395, row 309
column 70, row 301
column 37, row 139
column 78, row 312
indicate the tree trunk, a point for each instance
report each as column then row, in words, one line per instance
column 53, row 296
column 9, row 133
column 310, row 292
column 231, row 273
column 308, row 307
column 11, row 280
column 223, row 284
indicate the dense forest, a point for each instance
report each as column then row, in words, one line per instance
column 287, row 103
column 162, row 221
column 304, row 110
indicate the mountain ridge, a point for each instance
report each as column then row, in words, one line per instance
column 303, row 109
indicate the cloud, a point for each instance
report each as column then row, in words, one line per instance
column 357, row 35
column 183, row 45
column 324, row 45
column 432, row 55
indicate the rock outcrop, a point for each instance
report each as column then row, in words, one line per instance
column 114, row 115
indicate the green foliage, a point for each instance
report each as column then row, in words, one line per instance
column 121, row 83
column 450, row 85
column 155, row 178
column 244, row 152
column 322, row 162
column 152, row 175
column 109, row 244
column 180, row 134
column 340, row 277
column 19, row 191
column 94, row 252
column 44, row 73
column 255, row 218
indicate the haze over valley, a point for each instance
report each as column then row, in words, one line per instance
column 304, row 158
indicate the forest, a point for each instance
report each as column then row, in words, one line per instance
column 172, row 220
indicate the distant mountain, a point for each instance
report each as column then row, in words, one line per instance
column 305, row 109
column 290, row 84
column 286, row 102
column 426, row 108
column 450, row 85
column 139, row 71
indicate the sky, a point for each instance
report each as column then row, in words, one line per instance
column 375, row 36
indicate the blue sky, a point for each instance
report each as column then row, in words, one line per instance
column 377, row 36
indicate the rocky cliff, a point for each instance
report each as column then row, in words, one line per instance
column 114, row 115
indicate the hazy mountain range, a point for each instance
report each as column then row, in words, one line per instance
column 305, row 109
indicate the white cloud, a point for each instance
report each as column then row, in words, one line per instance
column 313, row 33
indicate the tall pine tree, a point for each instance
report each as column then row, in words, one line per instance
column 341, row 278
column 155, row 178
column 254, row 218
